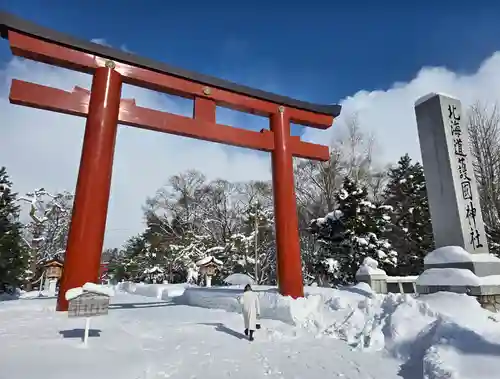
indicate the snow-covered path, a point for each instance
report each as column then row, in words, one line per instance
column 142, row 338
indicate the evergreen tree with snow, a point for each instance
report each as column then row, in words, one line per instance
column 250, row 249
column 130, row 264
column 411, row 232
column 352, row 232
column 13, row 254
column 322, row 262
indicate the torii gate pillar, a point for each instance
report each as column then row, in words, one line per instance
column 82, row 260
column 288, row 259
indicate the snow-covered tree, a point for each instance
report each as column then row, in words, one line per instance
column 13, row 254
column 166, row 251
column 191, row 218
column 321, row 260
column 47, row 232
column 411, row 231
column 351, row 154
column 251, row 249
column 167, row 239
column 349, row 234
column 483, row 124
column 130, row 265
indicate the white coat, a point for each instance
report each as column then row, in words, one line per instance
column 251, row 309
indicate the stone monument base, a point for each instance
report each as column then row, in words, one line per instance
column 452, row 269
column 456, row 257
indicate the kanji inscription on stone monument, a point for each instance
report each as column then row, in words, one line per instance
column 449, row 174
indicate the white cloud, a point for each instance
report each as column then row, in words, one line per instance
column 42, row 148
column 100, row 41
column 389, row 114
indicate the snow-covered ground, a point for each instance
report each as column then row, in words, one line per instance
column 195, row 333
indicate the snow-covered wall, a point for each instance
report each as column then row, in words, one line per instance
column 158, row 291
column 272, row 305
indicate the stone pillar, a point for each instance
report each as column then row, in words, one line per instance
column 451, row 186
column 370, row 274
column 52, row 287
column 461, row 258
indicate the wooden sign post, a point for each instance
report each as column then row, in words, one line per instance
column 87, row 301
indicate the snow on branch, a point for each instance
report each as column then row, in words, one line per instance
column 36, row 205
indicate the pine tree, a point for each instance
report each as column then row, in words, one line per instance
column 249, row 250
column 352, row 232
column 13, row 254
column 127, row 265
column 411, row 232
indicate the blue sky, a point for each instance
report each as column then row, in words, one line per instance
column 316, row 50
column 374, row 59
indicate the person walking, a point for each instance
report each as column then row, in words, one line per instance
column 251, row 310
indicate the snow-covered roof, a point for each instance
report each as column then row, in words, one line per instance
column 207, row 260
column 53, row 261
column 89, row 287
column 152, row 270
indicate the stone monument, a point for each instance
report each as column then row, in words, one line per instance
column 461, row 261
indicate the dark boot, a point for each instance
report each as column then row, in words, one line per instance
column 246, row 332
column 251, row 335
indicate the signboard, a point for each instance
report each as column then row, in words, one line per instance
column 88, row 304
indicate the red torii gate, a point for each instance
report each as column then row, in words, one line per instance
column 104, row 110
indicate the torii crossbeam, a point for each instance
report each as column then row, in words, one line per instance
column 104, row 109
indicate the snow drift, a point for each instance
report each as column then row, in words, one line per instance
column 443, row 335
column 158, row 291
column 239, row 280
column 272, row 305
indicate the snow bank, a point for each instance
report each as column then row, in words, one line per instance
column 456, row 254
column 437, row 336
column 18, row 293
column 14, row 294
column 158, row 291
column 303, row 312
column 448, row 277
column 239, row 279
column 8, row 296
column 455, row 277
column 272, row 305
column 442, row 335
